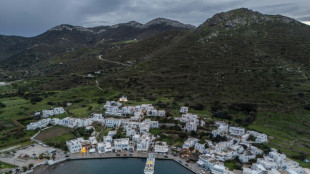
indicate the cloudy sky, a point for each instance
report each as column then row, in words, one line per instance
column 32, row 17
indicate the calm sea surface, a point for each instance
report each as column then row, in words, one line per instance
column 114, row 166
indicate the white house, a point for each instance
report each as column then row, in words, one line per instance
column 144, row 143
column 112, row 133
column 47, row 113
column 107, row 139
column 113, row 110
column 121, row 144
column 146, row 107
column 154, row 112
column 130, row 132
column 161, row 113
column 161, row 147
column 184, row 109
column 191, row 126
column 259, row 137
column 112, row 122
column 187, row 117
column 144, row 127
column 190, row 142
column 136, row 138
column 97, row 117
column 152, row 124
column 93, row 141
column 207, row 161
column 200, row 147
column 74, row 146
column 127, row 110
column 104, row 147
column 245, row 157
column 59, row 110
column 236, row 131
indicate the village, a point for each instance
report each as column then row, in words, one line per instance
column 130, row 136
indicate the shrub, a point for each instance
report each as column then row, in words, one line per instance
column 35, row 99
column 25, row 168
column 216, row 106
column 2, row 105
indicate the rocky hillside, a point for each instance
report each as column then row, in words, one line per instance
column 20, row 52
column 239, row 56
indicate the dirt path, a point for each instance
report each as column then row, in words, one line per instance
column 98, row 86
column 110, row 61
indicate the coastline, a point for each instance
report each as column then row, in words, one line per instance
column 192, row 168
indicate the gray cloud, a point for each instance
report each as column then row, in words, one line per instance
column 32, row 17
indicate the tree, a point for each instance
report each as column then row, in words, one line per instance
column 48, row 157
column 36, row 99
column 17, row 170
column 251, row 138
column 25, row 168
column 216, row 106
column 183, row 135
column 206, row 145
column 41, row 156
column 30, row 166
column 2, row 105
column 193, row 133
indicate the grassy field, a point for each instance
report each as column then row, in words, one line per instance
column 56, row 131
column 155, row 131
column 290, row 133
column 4, row 165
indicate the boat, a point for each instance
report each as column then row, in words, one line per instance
column 150, row 164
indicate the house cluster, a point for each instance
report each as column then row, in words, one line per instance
column 191, row 120
column 274, row 163
column 237, row 145
column 115, row 109
column 66, row 122
column 223, row 129
column 137, row 138
column 108, row 122
column 50, row 112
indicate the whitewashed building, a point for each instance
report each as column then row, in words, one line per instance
column 122, row 144
column 107, row 139
column 259, row 137
column 161, row 113
column 236, row 131
column 47, row 113
column 184, row 109
column 59, row 110
column 104, row 147
column 111, row 122
column 190, row 142
column 191, row 126
column 75, row 146
column 161, row 147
